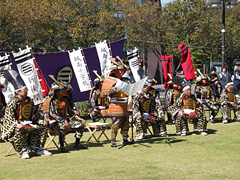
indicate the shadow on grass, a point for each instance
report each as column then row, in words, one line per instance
column 95, row 144
column 211, row 131
column 163, row 140
column 217, row 120
column 71, row 147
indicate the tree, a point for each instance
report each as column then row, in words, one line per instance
column 53, row 25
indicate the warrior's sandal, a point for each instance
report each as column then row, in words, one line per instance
column 113, row 145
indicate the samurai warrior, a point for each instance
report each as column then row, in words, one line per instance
column 62, row 116
column 160, row 109
column 147, row 109
column 173, row 92
column 229, row 99
column 188, row 108
column 118, row 108
column 23, row 125
column 206, row 97
column 97, row 99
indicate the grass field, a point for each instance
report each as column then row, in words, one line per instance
column 216, row 156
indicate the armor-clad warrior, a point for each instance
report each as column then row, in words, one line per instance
column 187, row 107
column 173, row 92
column 97, row 99
column 229, row 99
column 63, row 117
column 118, row 109
column 160, row 123
column 205, row 96
column 147, row 109
column 23, row 125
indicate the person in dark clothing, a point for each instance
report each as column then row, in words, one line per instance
column 214, row 82
column 224, row 77
column 236, row 80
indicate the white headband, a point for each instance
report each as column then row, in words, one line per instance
column 186, row 87
column 230, row 83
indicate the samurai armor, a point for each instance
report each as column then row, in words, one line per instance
column 188, row 103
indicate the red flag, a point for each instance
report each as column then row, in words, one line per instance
column 43, row 83
column 166, row 64
column 186, row 62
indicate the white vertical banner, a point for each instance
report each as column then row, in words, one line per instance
column 132, row 57
column 80, row 70
column 104, row 55
column 27, row 71
column 8, row 91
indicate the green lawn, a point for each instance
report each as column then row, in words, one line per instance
column 192, row 157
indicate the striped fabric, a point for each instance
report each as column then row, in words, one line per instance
column 4, row 62
column 26, row 67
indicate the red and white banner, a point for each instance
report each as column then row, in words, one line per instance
column 166, row 64
column 186, row 62
column 43, row 83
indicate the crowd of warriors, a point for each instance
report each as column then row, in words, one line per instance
column 26, row 126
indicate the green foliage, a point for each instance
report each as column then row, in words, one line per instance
column 59, row 24
column 83, row 107
column 199, row 57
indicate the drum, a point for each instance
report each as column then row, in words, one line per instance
column 191, row 115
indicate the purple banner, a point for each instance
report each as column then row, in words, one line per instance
column 52, row 63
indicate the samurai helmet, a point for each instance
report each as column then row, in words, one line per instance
column 118, row 62
column 204, row 80
column 57, row 85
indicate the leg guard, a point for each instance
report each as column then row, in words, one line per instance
column 35, row 139
column 124, row 128
column 78, row 136
column 178, row 124
column 226, row 112
column 20, row 140
column 163, row 127
column 114, row 132
column 185, row 128
column 61, row 139
column 156, row 128
column 237, row 114
column 169, row 116
column 44, row 136
column 138, row 125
